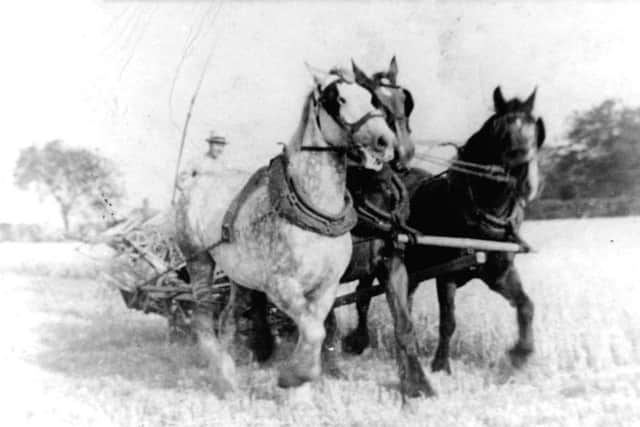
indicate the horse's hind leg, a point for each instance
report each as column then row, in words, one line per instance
column 329, row 347
column 413, row 381
column 179, row 322
column 446, row 302
column 358, row 339
column 261, row 339
column 509, row 286
column 179, row 319
column 308, row 310
column 218, row 358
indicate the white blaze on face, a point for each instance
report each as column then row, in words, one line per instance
column 533, row 178
column 356, row 104
column 525, row 136
column 385, row 90
column 530, row 134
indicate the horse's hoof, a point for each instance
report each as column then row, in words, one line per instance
column 441, row 364
column 295, row 375
column 262, row 349
column 414, row 382
column 263, row 354
column 289, row 378
column 519, row 355
column 331, row 369
column 419, row 389
column 182, row 337
column 355, row 343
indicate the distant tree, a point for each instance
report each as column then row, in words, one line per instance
column 602, row 157
column 81, row 182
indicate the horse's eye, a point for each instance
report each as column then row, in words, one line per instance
column 341, row 100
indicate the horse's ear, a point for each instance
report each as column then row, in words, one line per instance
column 393, row 70
column 319, row 76
column 498, row 100
column 528, row 104
column 361, row 77
column 540, row 131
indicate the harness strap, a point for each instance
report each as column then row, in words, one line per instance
column 495, row 226
column 232, row 212
column 385, row 219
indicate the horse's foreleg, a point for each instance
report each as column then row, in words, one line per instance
column 509, row 286
column 413, row 380
column 329, row 348
column 358, row 339
column 309, row 311
column 446, row 302
column 412, row 287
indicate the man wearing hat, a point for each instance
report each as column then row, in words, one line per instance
column 213, row 160
column 216, row 145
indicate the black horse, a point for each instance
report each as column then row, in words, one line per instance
column 382, row 203
column 479, row 205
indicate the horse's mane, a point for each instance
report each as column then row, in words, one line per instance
column 298, row 135
column 475, row 148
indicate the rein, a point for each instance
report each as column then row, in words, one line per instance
column 350, row 128
column 491, row 172
column 396, row 87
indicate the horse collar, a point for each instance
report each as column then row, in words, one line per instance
column 293, row 206
column 495, row 225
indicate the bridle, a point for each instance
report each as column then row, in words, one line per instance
column 508, row 166
column 394, row 87
column 349, row 128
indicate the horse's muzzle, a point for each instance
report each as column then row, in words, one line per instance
column 518, row 156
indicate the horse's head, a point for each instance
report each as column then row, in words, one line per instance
column 510, row 139
column 348, row 116
column 397, row 102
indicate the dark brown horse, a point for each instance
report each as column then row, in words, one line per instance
column 459, row 204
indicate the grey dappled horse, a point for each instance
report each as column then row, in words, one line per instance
column 296, row 268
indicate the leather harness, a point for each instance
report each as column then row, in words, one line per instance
column 289, row 203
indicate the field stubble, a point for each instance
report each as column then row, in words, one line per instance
column 74, row 355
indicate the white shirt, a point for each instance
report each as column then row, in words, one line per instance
column 205, row 165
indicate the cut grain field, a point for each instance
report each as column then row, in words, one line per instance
column 72, row 354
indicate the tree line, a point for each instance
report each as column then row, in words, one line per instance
column 601, row 158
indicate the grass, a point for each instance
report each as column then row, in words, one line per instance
column 74, row 355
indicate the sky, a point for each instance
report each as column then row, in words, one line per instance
column 117, row 77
